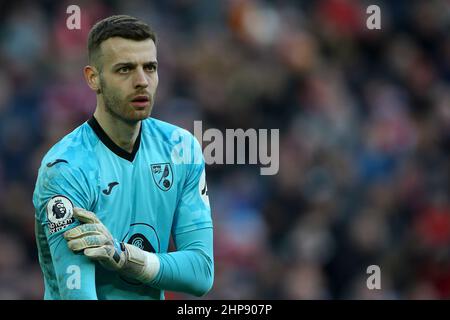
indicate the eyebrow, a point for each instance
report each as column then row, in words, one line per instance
column 133, row 65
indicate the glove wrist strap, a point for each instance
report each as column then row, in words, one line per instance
column 141, row 265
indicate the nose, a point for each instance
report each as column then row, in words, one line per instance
column 140, row 79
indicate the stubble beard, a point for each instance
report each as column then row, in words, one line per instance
column 117, row 108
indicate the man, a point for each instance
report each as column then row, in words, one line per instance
column 109, row 194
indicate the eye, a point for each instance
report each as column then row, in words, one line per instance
column 124, row 70
column 150, row 67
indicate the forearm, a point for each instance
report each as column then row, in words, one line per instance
column 185, row 271
column 191, row 268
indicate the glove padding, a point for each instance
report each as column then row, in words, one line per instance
column 97, row 243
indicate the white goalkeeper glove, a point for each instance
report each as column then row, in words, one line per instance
column 97, row 243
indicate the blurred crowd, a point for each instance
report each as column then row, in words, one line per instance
column 364, row 120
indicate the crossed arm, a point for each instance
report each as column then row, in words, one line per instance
column 189, row 270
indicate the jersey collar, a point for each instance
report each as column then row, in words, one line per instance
column 93, row 123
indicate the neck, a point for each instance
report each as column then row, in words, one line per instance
column 122, row 133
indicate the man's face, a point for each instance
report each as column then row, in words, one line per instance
column 129, row 77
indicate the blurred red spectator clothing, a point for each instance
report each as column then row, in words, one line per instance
column 433, row 226
column 169, row 295
column 437, row 274
column 442, row 282
column 236, row 15
column 343, row 16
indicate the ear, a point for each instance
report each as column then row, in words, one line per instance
column 92, row 77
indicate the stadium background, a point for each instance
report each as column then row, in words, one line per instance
column 364, row 119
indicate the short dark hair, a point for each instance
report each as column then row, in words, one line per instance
column 123, row 26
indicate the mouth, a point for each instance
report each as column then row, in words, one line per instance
column 140, row 101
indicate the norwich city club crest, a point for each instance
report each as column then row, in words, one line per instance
column 162, row 175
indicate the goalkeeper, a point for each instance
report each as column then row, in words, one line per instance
column 111, row 193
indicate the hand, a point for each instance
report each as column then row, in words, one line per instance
column 95, row 240
column 97, row 243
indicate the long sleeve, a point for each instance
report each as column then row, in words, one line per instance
column 67, row 275
column 191, row 268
